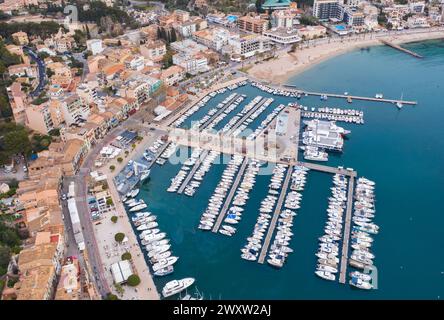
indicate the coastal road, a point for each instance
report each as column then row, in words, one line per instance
column 135, row 121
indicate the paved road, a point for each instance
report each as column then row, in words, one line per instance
column 41, row 70
column 134, row 122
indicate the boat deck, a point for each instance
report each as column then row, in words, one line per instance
column 277, row 211
column 230, row 196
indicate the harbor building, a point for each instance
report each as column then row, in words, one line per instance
column 326, row 9
column 283, row 35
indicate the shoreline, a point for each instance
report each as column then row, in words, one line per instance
column 289, row 65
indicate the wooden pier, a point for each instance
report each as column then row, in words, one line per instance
column 192, row 171
column 398, row 47
column 277, row 211
column 346, row 235
column 230, row 196
column 343, row 96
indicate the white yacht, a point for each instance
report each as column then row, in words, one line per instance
column 176, row 286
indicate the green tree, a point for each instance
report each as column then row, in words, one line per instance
column 109, row 202
column 5, row 256
column 111, row 296
column 119, row 237
column 119, row 160
column 126, row 256
column 112, row 167
column 114, row 219
column 133, row 280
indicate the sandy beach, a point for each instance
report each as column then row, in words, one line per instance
column 287, row 65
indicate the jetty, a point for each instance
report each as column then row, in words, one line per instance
column 247, row 115
column 277, row 211
column 398, row 47
column 343, row 96
column 214, row 116
column 346, row 235
column 230, row 196
column 192, row 171
column 328, row 169
column 158, row 154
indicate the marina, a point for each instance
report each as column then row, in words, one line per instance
column 216, row 254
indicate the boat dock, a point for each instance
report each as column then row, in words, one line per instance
column 346, row 236
column 230, row 196
column 343, row 96
column 214, row 116
column 247, row 115
column 327, row 169
column 159, row 153
column 277, row 211
column 193, row 171
column 398, row 47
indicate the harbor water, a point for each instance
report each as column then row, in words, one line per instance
column 401, row 150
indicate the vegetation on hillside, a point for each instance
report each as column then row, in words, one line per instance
column 14, row 140
column 42, row 29
column 9, row 244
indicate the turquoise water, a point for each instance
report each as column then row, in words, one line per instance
column 402, row 150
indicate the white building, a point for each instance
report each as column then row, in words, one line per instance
column 283, row 35
column 73, row 109
column 249, row 45
column 417, row 22
column 214, row 38
column 326, row 9
column 417, row 7
column 95, row 46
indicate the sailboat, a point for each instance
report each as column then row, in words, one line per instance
column 399, row 103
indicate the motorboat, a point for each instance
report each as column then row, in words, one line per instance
column 165, row 271
column 175, row 286
column 164, row 263
column 325, row 275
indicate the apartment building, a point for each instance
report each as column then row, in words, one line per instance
column 172, row 75
column 249, row 23
column 20, row 38
column 69, row 287
column 326, row 9
column 214, row 38
column 154, row 50
column 249, row 45
column 18, row 101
